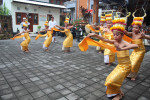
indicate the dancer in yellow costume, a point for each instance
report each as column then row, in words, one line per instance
column 138, row 53
column 68, row 42
column 109, row 56
column 26, row 37
column 48, row 35
column 117, row 76
column 101, row 27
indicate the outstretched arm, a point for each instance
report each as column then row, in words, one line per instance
column 60, row 27
column 26, row 31
column 128, row 33
column 101, row 38
column 69, row 27
column 18, row 34
column 129, row 46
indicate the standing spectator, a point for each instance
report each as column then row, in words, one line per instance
column 23, row 22
column 52, row 23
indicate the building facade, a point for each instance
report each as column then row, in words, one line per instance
column 36, row 11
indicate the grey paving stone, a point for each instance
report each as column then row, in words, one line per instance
column 55, row 95
column 72, row 96
column 99, row 93
column 48, row 90
column 65, row 91
column 81, row 92
column 142, row 98
column 21, row 93
column 26, row 97
column 74, row 88
column 59, row 87
column 63, row 98
column 8, row 96
column 17, row 88
column 44, row 98
column 43, row 86
column 34, row 79
column 37, row 94
column 33, row 89
column 90, row 97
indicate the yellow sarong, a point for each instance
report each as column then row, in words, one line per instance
column 115, row 79
column 26, row 42
column 68, row 42
column 137, row 55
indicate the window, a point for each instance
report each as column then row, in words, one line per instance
column 35, row 19
column 50, row 1
column 18, row 18
column 58, row 2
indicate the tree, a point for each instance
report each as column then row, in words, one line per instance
column 85, row 13
column 4, row 10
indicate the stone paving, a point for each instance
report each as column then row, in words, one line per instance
column 55, row 75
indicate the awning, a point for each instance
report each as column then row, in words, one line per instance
column 39, row 3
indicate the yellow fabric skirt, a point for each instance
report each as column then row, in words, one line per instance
column 25, row 44
column 68, row 42
column 48, row 41
column 137, row 55
column 116, row 77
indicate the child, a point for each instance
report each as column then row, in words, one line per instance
column 138, row 53
column 26, row 37
column 68, row 42
column 109, row 56
column 116, row 77
column 101, row 33
column 48, row 35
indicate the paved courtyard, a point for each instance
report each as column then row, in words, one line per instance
column 55, row 75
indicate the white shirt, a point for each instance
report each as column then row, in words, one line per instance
column 52, row 24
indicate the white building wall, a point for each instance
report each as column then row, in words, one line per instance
column 40, row 10
column 7, row 4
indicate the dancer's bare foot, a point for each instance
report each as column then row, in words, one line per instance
column 27, row 51
column 133, row 79
column 117, row 97
column 46, row 49
column 67, row 51
column 121, row 93
column 109, row 64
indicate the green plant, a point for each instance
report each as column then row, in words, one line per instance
column 4, row 10
column 39, row 27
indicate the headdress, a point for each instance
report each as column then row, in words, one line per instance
column 66, row 20
column 138, row 20
column 46, row 23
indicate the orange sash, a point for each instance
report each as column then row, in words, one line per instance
column 83, row 45
column 16, row 37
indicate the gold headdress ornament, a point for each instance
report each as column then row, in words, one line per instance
column 109, row 16
column 66, row 20
column 138, row 20
column 46, row 23
column 119, row 24
column 25, row 24
column 103, row 18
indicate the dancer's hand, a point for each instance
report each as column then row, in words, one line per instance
column 91, row 34
column 142, row 33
